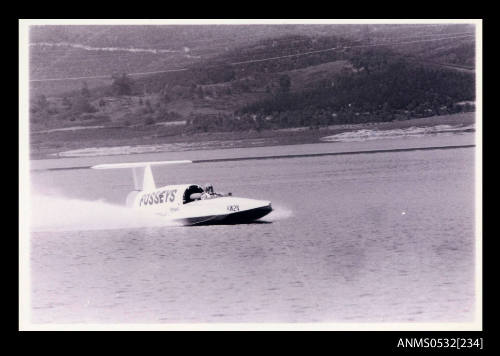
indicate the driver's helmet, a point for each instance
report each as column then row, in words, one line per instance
column 209, row 188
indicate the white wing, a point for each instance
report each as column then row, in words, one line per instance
column 137, row 164
column 143, row 176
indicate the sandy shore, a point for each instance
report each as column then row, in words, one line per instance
column 101, row 141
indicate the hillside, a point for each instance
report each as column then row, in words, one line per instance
column 90, row 51
column 239, row 89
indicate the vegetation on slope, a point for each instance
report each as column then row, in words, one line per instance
column 229, row 93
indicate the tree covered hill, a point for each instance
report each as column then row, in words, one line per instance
column 90, row 51
column 237, row 89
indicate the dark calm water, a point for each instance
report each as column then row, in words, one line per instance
column 386, row 237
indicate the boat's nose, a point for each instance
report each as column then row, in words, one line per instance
column 265, row 205
column 266, row 208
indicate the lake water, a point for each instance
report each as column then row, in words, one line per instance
column 383, row 237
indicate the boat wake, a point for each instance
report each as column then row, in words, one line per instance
column 278, row 213
column 56, row 213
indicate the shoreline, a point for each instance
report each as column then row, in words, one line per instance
column 61, row 144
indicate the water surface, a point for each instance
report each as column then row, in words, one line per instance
column 384, row 237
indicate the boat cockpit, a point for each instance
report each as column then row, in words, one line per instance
column 192, row 193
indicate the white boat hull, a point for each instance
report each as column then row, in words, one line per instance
column 222, row 210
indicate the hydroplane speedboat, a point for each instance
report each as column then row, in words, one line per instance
column 190, row 204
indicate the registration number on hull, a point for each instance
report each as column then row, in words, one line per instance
column 233, row 208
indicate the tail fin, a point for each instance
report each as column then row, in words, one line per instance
column 143, row 176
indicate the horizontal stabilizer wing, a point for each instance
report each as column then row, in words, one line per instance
column 137, row 164
column 141, row 172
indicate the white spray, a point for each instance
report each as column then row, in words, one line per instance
column 59, row 213
column 56, row 213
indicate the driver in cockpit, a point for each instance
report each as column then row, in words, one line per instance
column 208, row 192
